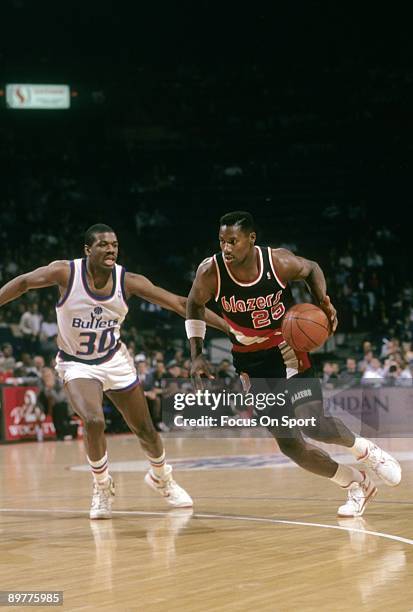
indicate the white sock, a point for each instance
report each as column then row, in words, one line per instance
column 158, row 465
column 360, row 447
column 100, row 470
column 346, row 475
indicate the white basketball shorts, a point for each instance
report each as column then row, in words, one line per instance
column 117, row 374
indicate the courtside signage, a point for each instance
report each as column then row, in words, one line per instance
column 19, row 415
column 29, row 96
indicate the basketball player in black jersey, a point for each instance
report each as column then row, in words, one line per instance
column 85, row 379
column 250, row 285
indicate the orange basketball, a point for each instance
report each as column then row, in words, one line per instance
column 305, row 327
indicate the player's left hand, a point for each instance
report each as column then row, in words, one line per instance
column 331, row 313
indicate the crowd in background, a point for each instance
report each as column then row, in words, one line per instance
column 166, row 156
column 163, row 373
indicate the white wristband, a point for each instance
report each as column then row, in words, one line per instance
column 195, row 328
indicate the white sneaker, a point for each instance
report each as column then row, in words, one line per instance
column 359, row 494
column 167, row 487
column 382, row 464
column 102, row 499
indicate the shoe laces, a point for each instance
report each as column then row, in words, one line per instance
column 102, row 495
column 358, row 490
column 167, row 482
column 356, row 497
column 168, row 485
column 375, row 456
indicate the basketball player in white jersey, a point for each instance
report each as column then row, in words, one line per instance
column 250, row 284
column 92, row 360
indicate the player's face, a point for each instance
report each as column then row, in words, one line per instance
column 104, row 251
column 235, row 243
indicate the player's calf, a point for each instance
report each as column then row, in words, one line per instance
column 329, row 430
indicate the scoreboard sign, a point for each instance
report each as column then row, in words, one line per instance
column 27, row 96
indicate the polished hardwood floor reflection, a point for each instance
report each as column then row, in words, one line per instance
column 263, row 534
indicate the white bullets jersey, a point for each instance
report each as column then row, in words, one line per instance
column 89, row 324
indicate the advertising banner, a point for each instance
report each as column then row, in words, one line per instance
column 27, row 96
column 22, row 417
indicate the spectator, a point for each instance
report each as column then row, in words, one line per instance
column 173, row 369
column 142, row 370
column 25, row 373
column 48, row 334
column 7, row 360
column 158, row 383
column 365, row 363
column 397, row 373
column 52, row 398
column 346, row 260
column 329, row 378
column 29, row 325
column 374, row 372
column 39, row 364
column 374, row 260
column 350, row 375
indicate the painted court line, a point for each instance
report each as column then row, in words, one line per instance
column 227, row 517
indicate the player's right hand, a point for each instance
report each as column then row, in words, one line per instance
column 200, row 367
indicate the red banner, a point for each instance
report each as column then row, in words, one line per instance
column 23, row 419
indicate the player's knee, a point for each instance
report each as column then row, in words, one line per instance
column 312, row 415
column 94, row 423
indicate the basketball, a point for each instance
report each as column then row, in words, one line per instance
column 305, row 327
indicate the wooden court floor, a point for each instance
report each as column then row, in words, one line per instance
column 263, row 534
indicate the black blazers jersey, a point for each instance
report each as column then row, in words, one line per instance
column 254, row 310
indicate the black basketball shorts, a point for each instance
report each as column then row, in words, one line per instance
column 267, row 374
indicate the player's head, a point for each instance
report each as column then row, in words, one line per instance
column 236, row 235
column 101, row 245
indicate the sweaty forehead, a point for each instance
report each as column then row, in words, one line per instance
column 105, row 237
column 231, row 231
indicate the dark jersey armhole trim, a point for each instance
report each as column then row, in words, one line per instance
column 218, row 289
column 279, row 281
column 122, row 284
column 69, row 286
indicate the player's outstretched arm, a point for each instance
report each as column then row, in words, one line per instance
column 136, row 284
column 56, row 273
column 202, row 290
column 290, row 267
